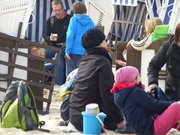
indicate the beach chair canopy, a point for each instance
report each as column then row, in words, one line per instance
column 101, row 12
column 174, row 17
column 12, row 12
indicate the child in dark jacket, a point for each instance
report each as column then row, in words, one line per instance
column 145, row 114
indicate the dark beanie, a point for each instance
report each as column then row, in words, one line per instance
column 92, row 38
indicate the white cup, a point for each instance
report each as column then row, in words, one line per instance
column 55, row 36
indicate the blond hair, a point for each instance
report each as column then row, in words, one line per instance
column 150, row 24
column 79, row 8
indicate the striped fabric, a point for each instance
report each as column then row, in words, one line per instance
column 174, row 17
column 161, row 8
column 41, row 13
column 128, row 22
column 14, row 12
column 151, row 6
column 125, row 2
column 102, row 13
column 165, row 10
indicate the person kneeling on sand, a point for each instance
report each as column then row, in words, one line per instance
column 145, row 114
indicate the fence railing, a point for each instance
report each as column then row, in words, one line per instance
column 30, row 65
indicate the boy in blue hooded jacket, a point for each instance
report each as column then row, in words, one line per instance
column 145, row 114
column 79, row 24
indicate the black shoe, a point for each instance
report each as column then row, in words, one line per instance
column 63, row 123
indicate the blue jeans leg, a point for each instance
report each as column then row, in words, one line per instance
column 49, row 54
column 60, row 73
column 73, row 63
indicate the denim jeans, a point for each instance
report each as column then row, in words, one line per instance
column 73, row 63
column 60, row 73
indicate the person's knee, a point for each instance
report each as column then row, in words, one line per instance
column 175, row 106
column 49, row 54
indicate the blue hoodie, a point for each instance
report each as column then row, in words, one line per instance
column 78, row 25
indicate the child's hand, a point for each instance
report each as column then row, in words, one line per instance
column 121, row 124
column 68, row 57
column 120, row 62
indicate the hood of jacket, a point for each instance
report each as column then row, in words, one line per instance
column 82, row 19
column 171, row 39
column 123, row 90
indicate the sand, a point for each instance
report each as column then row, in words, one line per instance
column 52, row 119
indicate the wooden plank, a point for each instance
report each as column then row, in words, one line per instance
column 30, row 69
column 141, row 17
column 135, row 26
column 35, row 77
column 26, row 55
column 30, row 82
column 128, row 26
column 12, row 59
column 9, row 41
column 3, row 89
column 120, row 46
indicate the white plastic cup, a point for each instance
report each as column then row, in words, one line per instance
column 92, row 108
column 55, row 36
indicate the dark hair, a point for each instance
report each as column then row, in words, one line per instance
column 56, row 2
column 177, row 33
column 79, row 8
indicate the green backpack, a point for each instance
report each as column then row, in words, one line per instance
column 19, row 108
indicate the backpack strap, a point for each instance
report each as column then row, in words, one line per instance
column 52, row 19
column 9, row 97
column 42, row 123
column 24, row 103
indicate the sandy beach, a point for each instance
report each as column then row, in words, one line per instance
column 51, row 122
column 52, row 119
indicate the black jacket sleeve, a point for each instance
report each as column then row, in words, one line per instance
column 47, row 31
column 157, row 63
column 150, row 103
column 106, row 80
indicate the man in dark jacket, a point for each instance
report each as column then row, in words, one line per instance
column 55, row 35
column 95, row 79
column 169, row 53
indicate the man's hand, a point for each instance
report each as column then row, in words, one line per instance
column 151, row 88
column 64, row 45
column 53, row 37
column 68, row 57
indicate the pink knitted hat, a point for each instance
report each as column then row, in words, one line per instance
column 126, row 74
